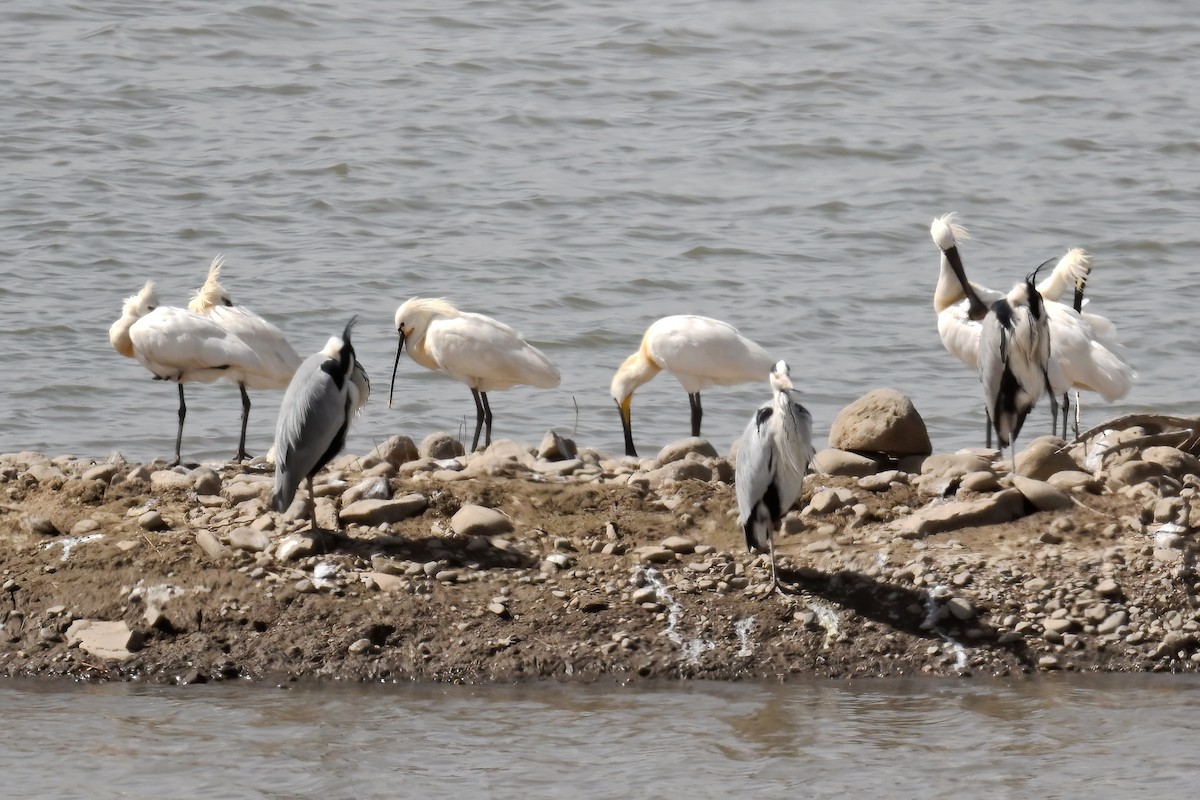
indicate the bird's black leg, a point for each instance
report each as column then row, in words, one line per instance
column 987, row 421
column 179, row 433
column 478, row 419
column 697, row 412
column 1066, row 406
column 487, row 420
column 241, row 453
column 311, row 505
column 1076, row 413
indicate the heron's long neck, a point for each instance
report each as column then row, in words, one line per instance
column 418, row 350
column 949, row 291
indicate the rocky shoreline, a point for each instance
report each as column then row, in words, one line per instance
column 521, row 563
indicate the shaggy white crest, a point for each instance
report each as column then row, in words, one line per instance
column 212, row 293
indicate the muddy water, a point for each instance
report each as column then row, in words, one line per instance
column 1063, row 736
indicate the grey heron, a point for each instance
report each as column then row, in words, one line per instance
column 1014, row 359
column 1086, row 353
column 183, row 346
column 483, row 353
column 772, row 459
column 320, row 403
column 699, row 351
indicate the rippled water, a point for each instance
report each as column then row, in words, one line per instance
column 579, row 169
column 1129, row 737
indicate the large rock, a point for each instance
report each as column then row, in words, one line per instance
column 473, row 520
column 397, row 451
column 384, row 512
column 683, row 470
column 373, row 488
column 556, row 447
column 112, row 640
column 1045, row 456
column 1176, row 461
column 440, row 446
column 679, row 450
column 941, row 517
column 881, row 421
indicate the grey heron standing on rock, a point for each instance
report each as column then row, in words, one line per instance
column 773, row 457
column 327, row 391
column 1014, row 359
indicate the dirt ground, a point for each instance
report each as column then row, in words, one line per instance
column 581, row 588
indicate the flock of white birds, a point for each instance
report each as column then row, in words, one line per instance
column 1023, row 343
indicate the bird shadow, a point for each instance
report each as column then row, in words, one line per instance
column 475, row 552
column 901, row 608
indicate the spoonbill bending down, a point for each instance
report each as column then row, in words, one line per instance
column 321, row 401
column 484, row 354
column 772, row 458
column 1085, row 352
column 699, row 351
column 278, row 360
column 179, row 345
column 1015, row 347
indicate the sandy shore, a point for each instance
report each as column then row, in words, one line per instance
column 507, row 566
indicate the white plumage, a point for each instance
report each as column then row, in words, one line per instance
column 483, row 353
column 699, row 351
column 204, row 343
column 772, row 459
column 320, row 403
column 1085, row 352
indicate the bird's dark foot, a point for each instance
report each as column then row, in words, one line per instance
column 173, row 463
column 240, row 457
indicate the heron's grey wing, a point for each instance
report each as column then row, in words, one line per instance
column 992, row 355
column 755, row 464
column 796, row 450
column 311, row 416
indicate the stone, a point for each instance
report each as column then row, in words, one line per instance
column 384, row 582
column 359, row 646
column 241, row 491
column 1113, row 621
column 474, row 520
column 170, row 479
column 1075, row 481
column 953, row 465
column 1045, row 456
column 1042, row 495
column 45, row 473
column 990, row 510
column 152, row 521
column 1132, row 473
column 205, row 480
column 556, row 447
column 396, row 450
column 655, row 555
column 679, row 544
column 376, row 488
column 960, row 608
column 297, row 546
column 440, row 446
column 1174, row 460
column 1107, row 587
column 843, row 463
column 101, row 472
column 881, row 421
column 384, row 512
column 39, row 525
column 980, row 482
column 681, row 470
column 84, row 527
column 249, row 539
column 111, row 640
column 678, row 450
column 213, row 547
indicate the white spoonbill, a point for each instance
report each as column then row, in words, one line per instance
column 699, row 351
column 1085, row 352
column 772, row 459
column 1015, row 346
column 178, row 345
column 322, row 400
column 278, row 361
column 484, row 354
